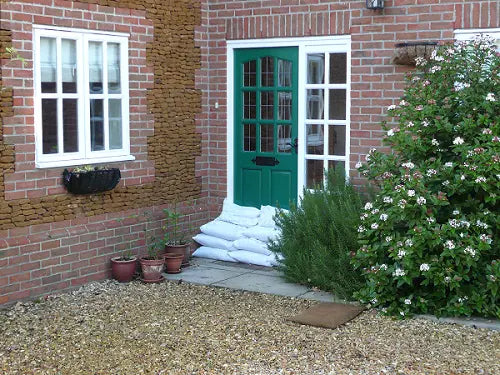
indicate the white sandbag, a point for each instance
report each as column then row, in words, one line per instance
column 262, row 233
column 240, row 210
column 213, row 253
column 222, row 229
column 210, row 241
column 249, row 257
column 266, row 216
column 244, row 221
column 253, row 245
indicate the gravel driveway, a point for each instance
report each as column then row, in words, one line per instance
column 109, row 328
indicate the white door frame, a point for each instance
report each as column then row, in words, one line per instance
column 340, row 43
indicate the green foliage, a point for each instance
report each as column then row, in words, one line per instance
column 317, row 237
column 173, row 235
column 430, row 239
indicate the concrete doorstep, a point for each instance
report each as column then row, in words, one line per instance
column 269, row 280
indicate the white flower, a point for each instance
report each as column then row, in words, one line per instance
column 470, row 250
column 408, row 165
column 431, row 220
column 458, row 141
column 373, row 301
column 425, row 123
column 402, row 313
column 487, row 131
column 480, row 179
column 374, row 226
column 424, row 267
column 449, row 244
column 411, row 193
column 391, row 107
column 358, row 165
column 448, row 164
column 368, row 206
column 398, row 272
column 420, row 61
column 454, row 223
column 490, row 97
column 383, row 267
column 456, row 212
column 388, row 239
column 435, row 69
column 399, row 187
column 445, row 183
column 421, row 200
column 462, row 177
column 402, row 103
column 387, row 200
column 361, row 229
column 375, row 211
column 401, row 253
column 402, row 203
column 390, row 132
column 407, row 301
column 435, row 142
column 431, row 172
column 460, row 86
column 480, row 224
column 485, row 238
column 363, row 216
column 384, row 217
column 409, row 243
column 410, row 124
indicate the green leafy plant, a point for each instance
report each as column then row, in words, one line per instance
column 318, row 236
column 155, row 248
column 126, row 255
column 14, row 55
column 173, row 234
column 430, row 239
column 88, row 168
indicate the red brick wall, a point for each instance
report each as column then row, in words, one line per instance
column 376, row 82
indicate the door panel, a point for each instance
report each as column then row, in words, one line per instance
column 266, row 127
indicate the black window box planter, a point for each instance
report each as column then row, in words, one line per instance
column 89, row 182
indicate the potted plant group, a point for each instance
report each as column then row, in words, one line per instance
column 174, row 238
column 152, row 264
column 123, row 267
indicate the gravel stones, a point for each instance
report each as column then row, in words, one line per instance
column 171, row 328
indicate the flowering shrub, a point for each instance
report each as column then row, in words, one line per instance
column 430, row 239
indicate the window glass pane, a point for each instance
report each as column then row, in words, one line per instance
column 49, row 126
column 114, row 81
column 284, row 106
column 115, row 124
column 338, row 67
column 249, row 137
column 284, row 73
column 336, row 164
column 70, row 125
column 315, row 139
column 266, row 138
column 316, row 68
column 285, row 139
column 336, row 140
column 48, row 64
column 315, row 104
column 250, row 73
column 95, row 67
column 314, row 173
column 337, row 104
column 249, row 105
column 267, row 70
column 69, row 74
column 267, row 105
column 96, row 125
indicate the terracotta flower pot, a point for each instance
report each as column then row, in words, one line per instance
column 173, row 262
column 180, row 249
column 151, row 268
column 123, row 270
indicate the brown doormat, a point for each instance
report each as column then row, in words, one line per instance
column 327, row 315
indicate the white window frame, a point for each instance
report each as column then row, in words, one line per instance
column 335, row 43
column 84, row 154
column 468, row 34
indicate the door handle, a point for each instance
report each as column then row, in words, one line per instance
column 295, row 144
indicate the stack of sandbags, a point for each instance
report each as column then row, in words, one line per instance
column 239, row 234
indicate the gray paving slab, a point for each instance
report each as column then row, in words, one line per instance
column 320, row 296
column 203, row 275
column 263, row 284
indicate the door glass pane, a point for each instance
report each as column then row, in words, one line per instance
column 249, row 137
column 70, row 125
column 314, row 173
column 267, row 105
column 68, row 52
column 338, row 68
column 336, row 140
column 337, row 104
column 316, row 68
column 284, row 106
column 284, row 73
column 95, row 67
column 336, row 164
column 266, row 138
column 114, row 81
column 249, row 106
column 250, row 73
column 96, row 125
column 315, row 139
column 267, row 71
column 285, row 139
column 315, row 104
column 48, row 64
column 115, row 124
column 49, row 126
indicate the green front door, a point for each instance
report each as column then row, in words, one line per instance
column 265, row 120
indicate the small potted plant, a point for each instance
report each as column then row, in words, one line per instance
column 152, row 264
column 123, row 267
column 174, row 238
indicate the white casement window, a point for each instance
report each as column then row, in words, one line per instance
column 469, row 34
column 81, row 97
column 326, row 111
